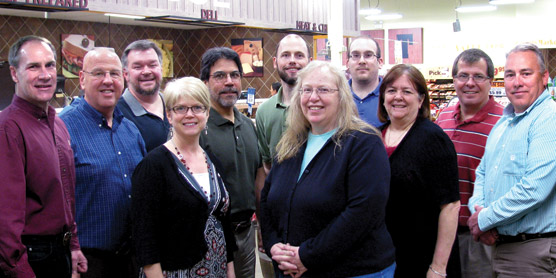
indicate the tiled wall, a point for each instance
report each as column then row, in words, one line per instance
column 188, row 45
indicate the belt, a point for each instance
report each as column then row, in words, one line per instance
column 502, row 239
column 62, row 238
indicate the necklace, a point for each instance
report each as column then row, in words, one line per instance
column 182, row 159
column 392, row 143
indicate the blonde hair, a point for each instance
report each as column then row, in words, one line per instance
column 298, row 126
column 190, row 87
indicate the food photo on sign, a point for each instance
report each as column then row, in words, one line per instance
column 74, row 48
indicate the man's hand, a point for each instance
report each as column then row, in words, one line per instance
column 489, row 237
column 78, row 263
column 473, row 223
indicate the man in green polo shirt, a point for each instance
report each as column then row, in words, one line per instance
column 292, row 54
column 231, row 137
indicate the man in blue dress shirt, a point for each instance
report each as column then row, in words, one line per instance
column 364, row 62
column 514, row 199
column 106, row 147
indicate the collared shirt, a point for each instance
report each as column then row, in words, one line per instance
column 104, row 161
column 235, row 145
column 271, row 123
column 368, row 106
column 37, row 181
column 469, row 138
column 154, row 130
column 516, row 178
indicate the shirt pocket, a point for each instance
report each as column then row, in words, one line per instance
column 515, row 164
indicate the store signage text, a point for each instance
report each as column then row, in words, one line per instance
column 309, row 26
column 82, row 4
column 209, row 14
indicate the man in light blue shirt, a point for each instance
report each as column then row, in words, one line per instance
column 514, row 200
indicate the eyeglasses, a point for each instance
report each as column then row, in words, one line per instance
column 320, row 91
column 220, row 76
column 367, row 55
column 182, row 110
column 100, row 74
column 477, row 78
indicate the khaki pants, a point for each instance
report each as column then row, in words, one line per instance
column 532, row 258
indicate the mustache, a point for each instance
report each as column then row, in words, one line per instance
column 228, row 90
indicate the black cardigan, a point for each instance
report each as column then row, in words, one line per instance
column 169, row 216
column 335, row 212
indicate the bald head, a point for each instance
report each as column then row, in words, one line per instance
column 102, row 79
column 292, row 38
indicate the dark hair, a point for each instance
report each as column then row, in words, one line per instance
column 276, row 86
column 13, row 56
column 378, row 52
column 292, row 35
column 214, row 54
column 418, row 81
column 471, row 56
column 530, row 47
column 141, row 45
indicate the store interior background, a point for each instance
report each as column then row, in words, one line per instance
column 495, row 32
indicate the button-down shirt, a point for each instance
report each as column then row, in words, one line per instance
column 154, row 130
column 368, row 106
column 469, row 138
column 37, row 179
column 516, row 178
column 105, row 158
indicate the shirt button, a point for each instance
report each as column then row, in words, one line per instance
column 129, row 196
column 63, row 169
column 99, row 125
column 361, row 101
column 495, row 167
column 237, row 137
column 120, row 153
column 512, row 157
column 125, row 175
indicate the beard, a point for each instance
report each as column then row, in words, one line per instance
column 137, row 88
column 227, row 101
column 284, row 76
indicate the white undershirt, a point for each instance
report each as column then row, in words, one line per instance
column 203, row 180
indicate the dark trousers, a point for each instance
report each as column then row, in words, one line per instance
column 48, row 256
column 106, row 264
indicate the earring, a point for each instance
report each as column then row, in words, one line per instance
column 171, row 132
column 206, row 129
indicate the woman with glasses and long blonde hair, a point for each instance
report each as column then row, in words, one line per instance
column 324, row 201
column 180, row 206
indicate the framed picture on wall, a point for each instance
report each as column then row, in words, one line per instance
column 405, row 46
column 251, row 54
column 74, row 48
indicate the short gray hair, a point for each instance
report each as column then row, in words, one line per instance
column 530, row 47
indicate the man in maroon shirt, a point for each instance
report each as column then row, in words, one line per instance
column 37, row 173
column 468, row 125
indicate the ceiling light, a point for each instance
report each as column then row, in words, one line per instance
column 370, row 11
column 476, row 9
column 383, row 17
column 125, row 16
column 508, row 2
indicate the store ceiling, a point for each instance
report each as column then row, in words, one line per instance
column 413, row 11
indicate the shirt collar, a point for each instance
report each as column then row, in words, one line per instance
column 375, row 92
column 136, row 108
column 509, row 110
column 479, row 116
column 35, row 111
column 96, row 116
column 219, row 120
